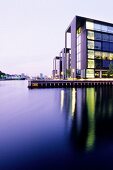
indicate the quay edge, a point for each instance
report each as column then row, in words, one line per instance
column 68, row 83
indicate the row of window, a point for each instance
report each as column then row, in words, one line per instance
column 99, row 64
column 99, row 27
column 100, row 55
column 104, row 46
column 99, row 36
column 79, row 48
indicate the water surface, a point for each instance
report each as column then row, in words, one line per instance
column 62, row 128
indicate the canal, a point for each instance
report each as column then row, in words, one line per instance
column 63, row 128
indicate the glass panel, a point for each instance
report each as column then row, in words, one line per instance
column 104, row 74
column 91, row 54
column 97, row 36
column 90, row 73
column 104, row 28
column 98, row 63
column 105, row 63
column 97, row 45
column 110, row 29
column 78, row 31
column 98, row 55
column 105, row 55
column 90, row 63
column 97, row 27
column 111, row 47
column 97, row 74
column 111, row 56
column 105, row 37
column 89, row 25
column 91, row 44
column 105, row 46
column 90, row 35
column 111, row 38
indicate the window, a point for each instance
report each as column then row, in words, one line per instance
column 90, row 44
column 97, row 27
column 90, row 63
column 105, row 63
column 98, row 55
column 111, row 38
column 104, row 28
column 91, row 54
column 90, row 35
column 105, row 46
column 89, row 25
column 105, row 55
column 97, row 36
column 105, row 37
column 111, row 47
column 111, row 56
column 98, row 63
column 110, row 29
column 79, row 31
column 97, row 45
column 90, row 73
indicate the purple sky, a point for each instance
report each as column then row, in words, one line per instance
column 32, row 31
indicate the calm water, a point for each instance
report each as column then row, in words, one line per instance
column 55, row 128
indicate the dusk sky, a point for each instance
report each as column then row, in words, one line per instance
column 32, row 31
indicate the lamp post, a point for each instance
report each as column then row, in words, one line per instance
column 73, row 70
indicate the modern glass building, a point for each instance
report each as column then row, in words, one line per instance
column 91, row 47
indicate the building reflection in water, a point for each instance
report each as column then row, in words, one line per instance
column 90, row 111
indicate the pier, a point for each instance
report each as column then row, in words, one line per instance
column 69, row 83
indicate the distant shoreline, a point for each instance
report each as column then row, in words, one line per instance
column 11, row 79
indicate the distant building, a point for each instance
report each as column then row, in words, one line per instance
column 57, row 67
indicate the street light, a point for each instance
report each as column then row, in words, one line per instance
column 73, row 70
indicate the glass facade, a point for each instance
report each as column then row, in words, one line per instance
column 99, row 48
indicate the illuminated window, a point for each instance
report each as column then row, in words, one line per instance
column 98, row 55
column 111, row 56
column 79, row 31
column 105, row 55
column 90, row 44
column 90, row 35
column 91, row 54
column 97, row 27
column 89, row 25
column 90, row 73
column 90, row 63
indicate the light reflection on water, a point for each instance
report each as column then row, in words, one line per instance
column 55, row 128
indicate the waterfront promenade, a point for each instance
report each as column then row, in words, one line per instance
column 69, row 83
